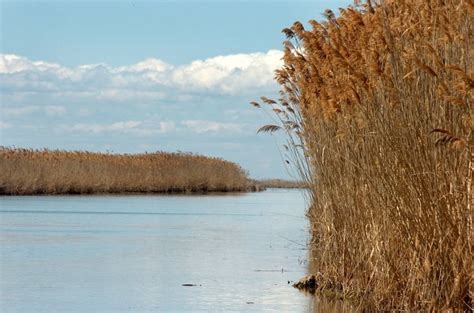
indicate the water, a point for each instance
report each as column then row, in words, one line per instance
column 134, row 253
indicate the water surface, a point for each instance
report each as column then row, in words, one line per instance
column 134, row 253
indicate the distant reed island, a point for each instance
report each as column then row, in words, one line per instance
column 30, row 172
column 35, row 172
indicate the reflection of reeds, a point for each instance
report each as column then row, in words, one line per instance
column 25, row 171
column 382, row 101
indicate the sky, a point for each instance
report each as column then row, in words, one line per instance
column 135, row 76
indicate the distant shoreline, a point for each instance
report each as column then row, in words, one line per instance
column 56, row 172
column 255, row 188
column 281, row 183
column 138, row 193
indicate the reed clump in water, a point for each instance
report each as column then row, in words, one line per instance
column 378, row 104
column 26, row 171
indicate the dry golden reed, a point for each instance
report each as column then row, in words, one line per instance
column 378, row 106
column 281, row 183
column 26, row 171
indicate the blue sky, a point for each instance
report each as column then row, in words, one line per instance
column 131, row 76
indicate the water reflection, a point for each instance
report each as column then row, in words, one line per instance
column 134, row 253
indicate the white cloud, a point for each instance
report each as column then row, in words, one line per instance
column 100, row 128
column 166, row 127
column 202, row 126
column 10, row 63
column 152, row 127
column 151, row 64
column 230, row 74
column 139, row 128
column 146, row 80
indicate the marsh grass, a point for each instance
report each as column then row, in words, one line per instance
column 281, row 183
column 377, row 103
column 26, row 171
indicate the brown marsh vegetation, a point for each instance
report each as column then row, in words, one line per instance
column 378, row 106
column 25, row 171
column 280, row 183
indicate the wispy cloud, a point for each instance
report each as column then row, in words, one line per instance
column 50, row 110
column 100, row 128
column 140, row 128
column 202, row 126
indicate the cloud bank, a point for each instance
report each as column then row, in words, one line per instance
column 150, row 127
column 149, row 79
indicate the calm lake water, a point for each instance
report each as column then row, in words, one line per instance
column 134, row 253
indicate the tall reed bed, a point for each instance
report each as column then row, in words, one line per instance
column 378, row 106
column 25, row 171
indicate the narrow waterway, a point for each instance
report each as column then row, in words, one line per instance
column 206, row 253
